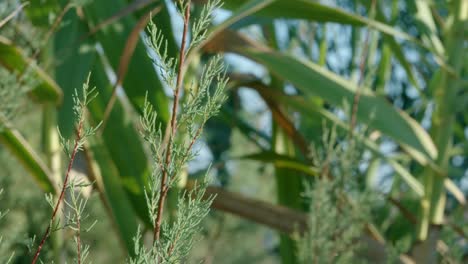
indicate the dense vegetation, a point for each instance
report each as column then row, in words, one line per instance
column 236, row 131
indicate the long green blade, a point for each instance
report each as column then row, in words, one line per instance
column 121, row 140
column 122, row 210
column 282, row 161
column 14, row 60
column 76, row 59
column 141, row 77
column 314, row 11
column 373, row 110
column 31, row 161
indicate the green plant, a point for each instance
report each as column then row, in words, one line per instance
column 399, row 64
column 76, row 205
column 172, row 241
column 339, row 210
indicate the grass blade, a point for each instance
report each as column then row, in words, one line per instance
column 31, row 161
column 14, row 60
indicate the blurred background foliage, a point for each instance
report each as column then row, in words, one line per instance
column 387, row 78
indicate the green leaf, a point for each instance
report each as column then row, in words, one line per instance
column 428, row 27
column 399, row 55
column 455, row 191
column 384, row 70
column 242, row 11
column 13, row 59
column 306, row 107
column 375, row 111
column 75, row 59
column 247, row 8
column 401, row 228
column 141, row 77
column 372, row 173
column 282, row 161
column 121, row 141
column 410, row 179
column 123, row 213
column 301, row 9
column 230, row 117
column 39, row 12
column 391, row 43
column 31, row 161
column 314, row 11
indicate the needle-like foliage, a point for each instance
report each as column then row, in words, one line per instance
column 179, row 237
column 73, row 209
column 338, row 209
column 171, row 152
column 75, row 215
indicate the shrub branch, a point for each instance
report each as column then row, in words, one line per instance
column 82, row 133
column 62, row 192
column 173, row 124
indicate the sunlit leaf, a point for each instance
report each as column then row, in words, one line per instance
column 282, row 161
column 315, row 11
column 141, row 77
column 31, row 161
column 14, row 60
column 75, row 59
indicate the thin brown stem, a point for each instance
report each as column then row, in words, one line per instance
column 403, row 210
column 125, row 59
column 362, row 68
column 52, row 29
column 173, row 124
column 46, row 38
column 127, row 10
column 62, row 194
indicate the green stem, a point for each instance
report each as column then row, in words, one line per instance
column 288, row 183
column 445, row 94
column 288, row 190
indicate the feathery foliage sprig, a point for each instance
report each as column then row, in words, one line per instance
column 75, row 216
column 76, row 205
column 178, row 237
column 80, row 103
column 335, row 222
column 172, row 242
column 200, row 25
